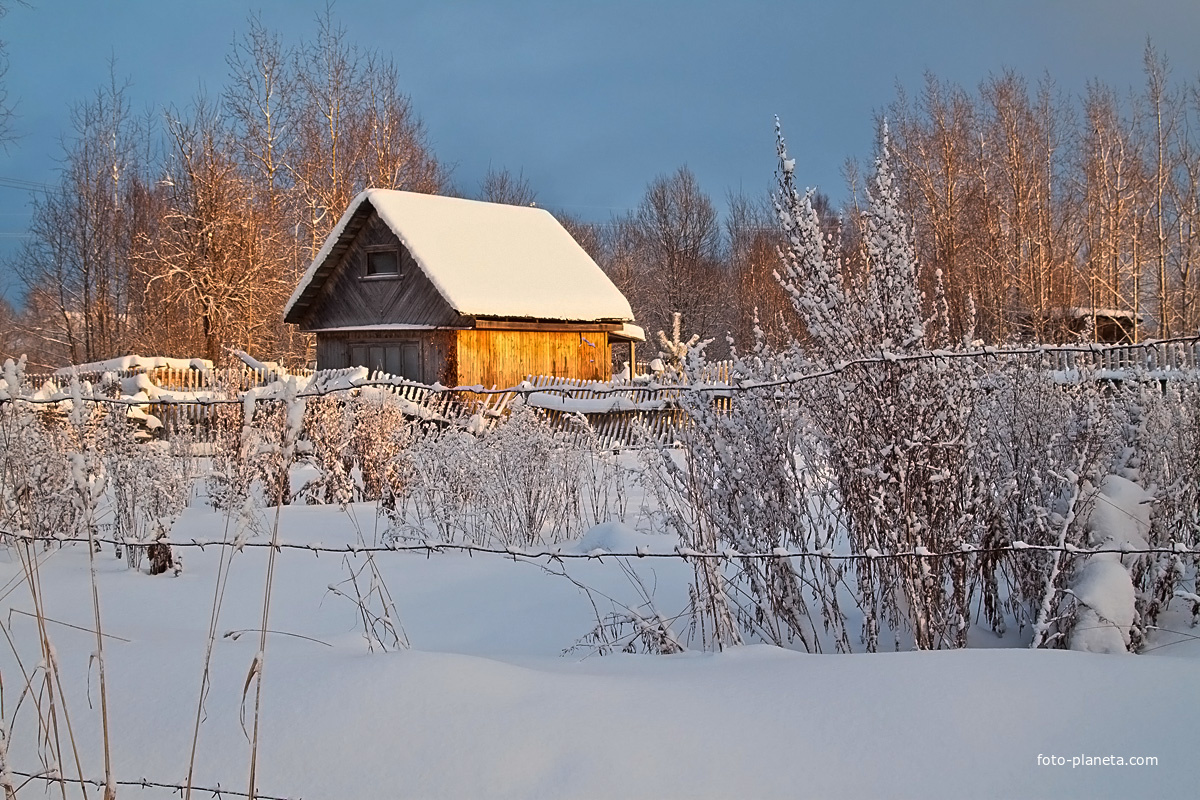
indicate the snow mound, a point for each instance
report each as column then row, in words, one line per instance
column 1116, row 515
column 617, row 537
column 1103, row 586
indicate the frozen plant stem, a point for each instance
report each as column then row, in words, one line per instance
column 89, row 479
column 218, row 598
column 291, row 432
column 51, row 676
column 1043, row 625
column 260, row 656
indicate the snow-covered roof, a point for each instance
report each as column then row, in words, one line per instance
column 136, row 362
column 629, row 333
column 486, row 259
column 1086, row 311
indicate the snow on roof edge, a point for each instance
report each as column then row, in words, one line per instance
column 384, row 208
column 330, row 242
column 609, row 294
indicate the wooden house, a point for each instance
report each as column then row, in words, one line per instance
column 440, row 289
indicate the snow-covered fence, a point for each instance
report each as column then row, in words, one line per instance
column 1168, row 359
column 611, row 413
column 1008, row 526
column 625, row 411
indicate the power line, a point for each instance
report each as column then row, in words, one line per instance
column 21, row 183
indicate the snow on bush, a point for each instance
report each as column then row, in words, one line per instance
column 900, row 445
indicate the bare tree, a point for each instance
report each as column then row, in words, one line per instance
column 668, row 257
column 6, row 109
column 209, row 261
column 79, row 248
column 756, row 301
column 1185, row 196
column 1112, row 187
column 354, row 128
column 501, row 186
column 1162, row 116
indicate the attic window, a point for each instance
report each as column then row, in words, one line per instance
column 382, row 263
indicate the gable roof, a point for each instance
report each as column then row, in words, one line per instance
column 486, row 259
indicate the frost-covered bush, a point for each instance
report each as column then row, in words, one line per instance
column 603, row 485
column 1163, row 457
column 530, row 496
column 328, row 430
column 945, row 471
column 379, row 433
column 748, row 478
column 522, row 482
column 51, row 476
column 897, row 435
column 150, row 482
column 441, row 473
column 1041, row 442
column 231, row 474
column 254, row 443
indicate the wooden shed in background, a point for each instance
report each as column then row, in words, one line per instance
column 459, row 292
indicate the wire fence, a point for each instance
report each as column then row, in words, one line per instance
column 145, row 783
column 618, row 413
column 431, row 548
column 1179, row 355
column 624, row 405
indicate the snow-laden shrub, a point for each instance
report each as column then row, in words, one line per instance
column 231, row 473
column 530, row 497
column 254, row 443
column 379, row 433
column 440, row 474
column 1166, row 437
column 49, row 470
column 522, row 482
column 748, row 479
column 328, row 428
column 604, row 484
column 150, row 482
column 897, row 435
column 1041, row 441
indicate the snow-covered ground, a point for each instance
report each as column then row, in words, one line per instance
column 485, row 704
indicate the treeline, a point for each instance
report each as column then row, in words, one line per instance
column 185, row 233
column 1036, row 215
column 1034, row 206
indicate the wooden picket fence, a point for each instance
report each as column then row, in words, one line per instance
column 1168, row 358
column 649, row 414
column 640, row 412
column 615, row 413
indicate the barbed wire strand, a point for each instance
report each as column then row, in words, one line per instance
column 680, row 552
column 593, row 389
column 144, row 783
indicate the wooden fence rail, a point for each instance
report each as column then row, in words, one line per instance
column 614, row 413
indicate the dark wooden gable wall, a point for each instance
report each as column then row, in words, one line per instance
column 347, row 298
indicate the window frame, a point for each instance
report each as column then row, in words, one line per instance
column 413, row 346
column 395, row 250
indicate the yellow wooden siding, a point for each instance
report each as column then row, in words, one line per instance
column 503, row 358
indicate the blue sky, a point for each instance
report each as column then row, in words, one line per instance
column 592, row 100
